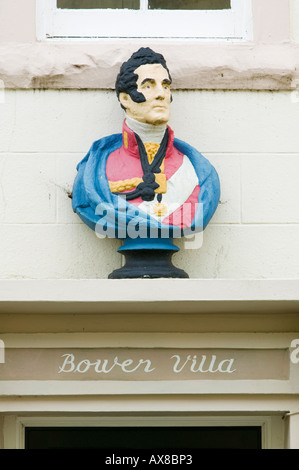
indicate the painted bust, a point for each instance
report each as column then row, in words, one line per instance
column 144, row 186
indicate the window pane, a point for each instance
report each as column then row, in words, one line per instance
column 190, row 4
column 151, row 438
column 88, row 4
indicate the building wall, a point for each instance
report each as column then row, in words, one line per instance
column 238, row 104
column 251, row 137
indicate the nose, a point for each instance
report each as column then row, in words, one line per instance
column 160, row 92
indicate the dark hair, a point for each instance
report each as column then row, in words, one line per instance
column 126, row 79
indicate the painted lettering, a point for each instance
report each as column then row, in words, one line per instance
column 178, row 360
column 70, row 365
column 203, row 364
column 229, row 366
column 69, row 361
column 195, row 364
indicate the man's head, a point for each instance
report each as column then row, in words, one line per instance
column 143, row 87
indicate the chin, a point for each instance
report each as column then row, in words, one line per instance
column 158, row 120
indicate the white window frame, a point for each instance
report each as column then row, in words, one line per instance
column 272, row 426
column 233, row 24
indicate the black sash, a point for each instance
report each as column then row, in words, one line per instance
column 146, row 189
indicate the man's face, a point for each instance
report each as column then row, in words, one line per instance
column 154, row 83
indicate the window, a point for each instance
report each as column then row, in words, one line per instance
column 266, row 432
column 93, row 19
column 149, row 4
column 145, row 438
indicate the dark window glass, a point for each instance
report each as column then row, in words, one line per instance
column 189, row 4
column 152, row 4
column 146, row 438
column 88, row 4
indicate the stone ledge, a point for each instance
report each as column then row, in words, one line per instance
column 223, row 66
column 149, row 295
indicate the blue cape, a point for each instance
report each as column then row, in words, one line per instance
column 109, row 214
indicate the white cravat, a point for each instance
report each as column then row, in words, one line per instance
column 146, row 132
column 177, row 189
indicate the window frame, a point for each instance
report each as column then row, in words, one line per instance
column 60, row 24
column 271, row 424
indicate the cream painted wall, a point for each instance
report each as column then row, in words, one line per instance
column 250, row 137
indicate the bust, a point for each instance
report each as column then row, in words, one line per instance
column 144, row 186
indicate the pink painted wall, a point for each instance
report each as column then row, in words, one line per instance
column 17, row 21
column 271, row 21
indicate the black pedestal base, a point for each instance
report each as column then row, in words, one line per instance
column 148, row 264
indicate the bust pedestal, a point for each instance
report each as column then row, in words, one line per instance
column 148, row 258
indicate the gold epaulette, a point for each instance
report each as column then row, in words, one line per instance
column 124, row 185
